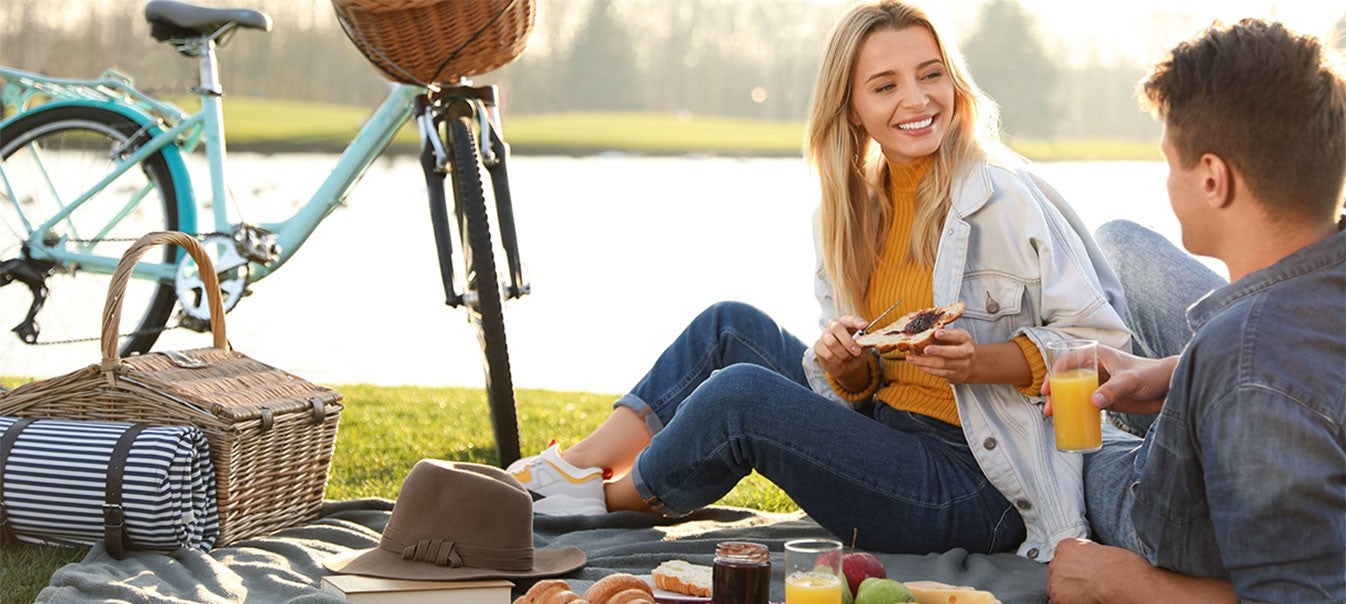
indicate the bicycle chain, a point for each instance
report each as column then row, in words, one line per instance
column 99, row 337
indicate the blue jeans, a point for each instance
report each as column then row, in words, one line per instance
column 1160, row 282
column 729, row 396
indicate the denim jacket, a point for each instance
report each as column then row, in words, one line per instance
column 1242, row 475
column 1023, row 263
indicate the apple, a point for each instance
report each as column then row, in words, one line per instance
column 858, row 566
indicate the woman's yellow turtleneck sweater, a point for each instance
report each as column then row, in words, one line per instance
column 898, row 277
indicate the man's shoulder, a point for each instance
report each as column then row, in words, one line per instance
column 1288, row 340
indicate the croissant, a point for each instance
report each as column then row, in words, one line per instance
column 551, row 591
column 606, row 589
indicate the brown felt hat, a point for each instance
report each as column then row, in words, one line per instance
column 453, row 521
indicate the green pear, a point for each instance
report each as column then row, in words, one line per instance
column 882, row 591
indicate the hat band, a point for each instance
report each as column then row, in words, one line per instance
column 446, row 552
column 435, row 551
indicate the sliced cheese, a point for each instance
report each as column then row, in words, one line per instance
column 934, row 592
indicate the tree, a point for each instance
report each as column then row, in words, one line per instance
column 1008, row 61
column 1339, row 34
column 600, row 68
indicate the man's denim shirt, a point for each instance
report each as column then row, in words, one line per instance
column 1244, row 475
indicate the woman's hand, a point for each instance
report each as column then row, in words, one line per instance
column 839, row 355
column 950, row 357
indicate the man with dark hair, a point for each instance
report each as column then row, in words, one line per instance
column 1238, row 491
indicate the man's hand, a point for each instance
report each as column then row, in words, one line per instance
column 1127, row 383
column 839, row 355
column 1084, row 571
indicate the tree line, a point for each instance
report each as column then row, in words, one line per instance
column 717, row 57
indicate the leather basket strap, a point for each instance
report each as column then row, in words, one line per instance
column 6, row 445
column 117, row 540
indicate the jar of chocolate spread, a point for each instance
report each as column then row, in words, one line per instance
column 741, row 573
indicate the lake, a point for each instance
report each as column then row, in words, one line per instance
column 621, row 252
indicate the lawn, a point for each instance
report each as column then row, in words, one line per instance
column 384, row 431
column 266, row 125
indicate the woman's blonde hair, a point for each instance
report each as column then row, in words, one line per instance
column 855, row 212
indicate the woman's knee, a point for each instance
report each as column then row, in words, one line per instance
column 734, row 313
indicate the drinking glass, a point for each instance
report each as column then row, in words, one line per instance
column 813, row 571
column 1072, row 366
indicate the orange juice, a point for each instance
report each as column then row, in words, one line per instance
column 1078, row 422
column 813, row 588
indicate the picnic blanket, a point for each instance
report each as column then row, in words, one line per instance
column 287, row 566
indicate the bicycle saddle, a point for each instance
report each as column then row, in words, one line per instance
column 170, row 19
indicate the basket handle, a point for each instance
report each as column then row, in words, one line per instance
column 112, row 310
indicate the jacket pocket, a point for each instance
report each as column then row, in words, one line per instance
column 993, row 297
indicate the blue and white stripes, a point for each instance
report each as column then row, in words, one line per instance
column 56, row 475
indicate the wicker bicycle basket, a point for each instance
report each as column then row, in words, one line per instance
column 271, row 434
column 434, row 41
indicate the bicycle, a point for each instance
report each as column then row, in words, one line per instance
column 87, row 166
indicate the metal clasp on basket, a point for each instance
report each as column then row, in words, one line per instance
column 182, row 360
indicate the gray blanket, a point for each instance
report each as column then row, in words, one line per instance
column 287, row 566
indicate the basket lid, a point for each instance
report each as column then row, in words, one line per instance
column 226, row 383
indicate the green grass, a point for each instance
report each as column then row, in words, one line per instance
column 276, row 126
column 384, row 431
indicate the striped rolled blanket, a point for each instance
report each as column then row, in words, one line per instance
column 55, row 478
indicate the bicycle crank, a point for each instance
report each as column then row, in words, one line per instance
column 231, row 268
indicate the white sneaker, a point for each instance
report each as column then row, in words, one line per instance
column 564, row 489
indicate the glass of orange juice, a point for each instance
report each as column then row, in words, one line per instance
column 813, row 571
column 1072, row 366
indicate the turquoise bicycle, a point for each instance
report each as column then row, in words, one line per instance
column 88, row 166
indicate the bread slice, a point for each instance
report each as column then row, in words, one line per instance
column 911, row 332
column 681, row 576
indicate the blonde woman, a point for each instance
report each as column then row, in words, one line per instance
column 941, row 450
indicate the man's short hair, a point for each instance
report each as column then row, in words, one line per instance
column 1270, row 102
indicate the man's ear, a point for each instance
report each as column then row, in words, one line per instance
column 1217, row 181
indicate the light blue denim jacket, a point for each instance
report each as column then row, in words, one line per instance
column 1243, row 476
column 1023, row 263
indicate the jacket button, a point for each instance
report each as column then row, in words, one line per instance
column 1023, row 505
column 989, row 443
column 1135, row 486
column 993, row 307
column 1033, row 553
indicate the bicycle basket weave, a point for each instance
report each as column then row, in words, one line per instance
column 271, row 433
column 427, row 41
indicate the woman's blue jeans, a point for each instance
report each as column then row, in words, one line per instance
column 729, row 396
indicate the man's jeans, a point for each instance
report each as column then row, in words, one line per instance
column 729, row 396
column 1160, row 282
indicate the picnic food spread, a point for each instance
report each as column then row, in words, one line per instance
column 913, row 331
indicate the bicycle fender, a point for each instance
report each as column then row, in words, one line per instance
column 177, row 166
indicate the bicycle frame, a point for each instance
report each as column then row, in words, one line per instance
column 184, row 130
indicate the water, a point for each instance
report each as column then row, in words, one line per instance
column 621, row 253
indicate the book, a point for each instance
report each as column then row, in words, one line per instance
column 362, row 589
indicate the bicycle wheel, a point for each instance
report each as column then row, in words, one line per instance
column 50, row 157
column 484, row 301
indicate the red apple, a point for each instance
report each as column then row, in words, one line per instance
column 858, row 566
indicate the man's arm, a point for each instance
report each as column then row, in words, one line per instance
column 1084, row 571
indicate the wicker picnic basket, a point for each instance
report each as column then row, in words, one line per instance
column 433, row 41
column 271, row 433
